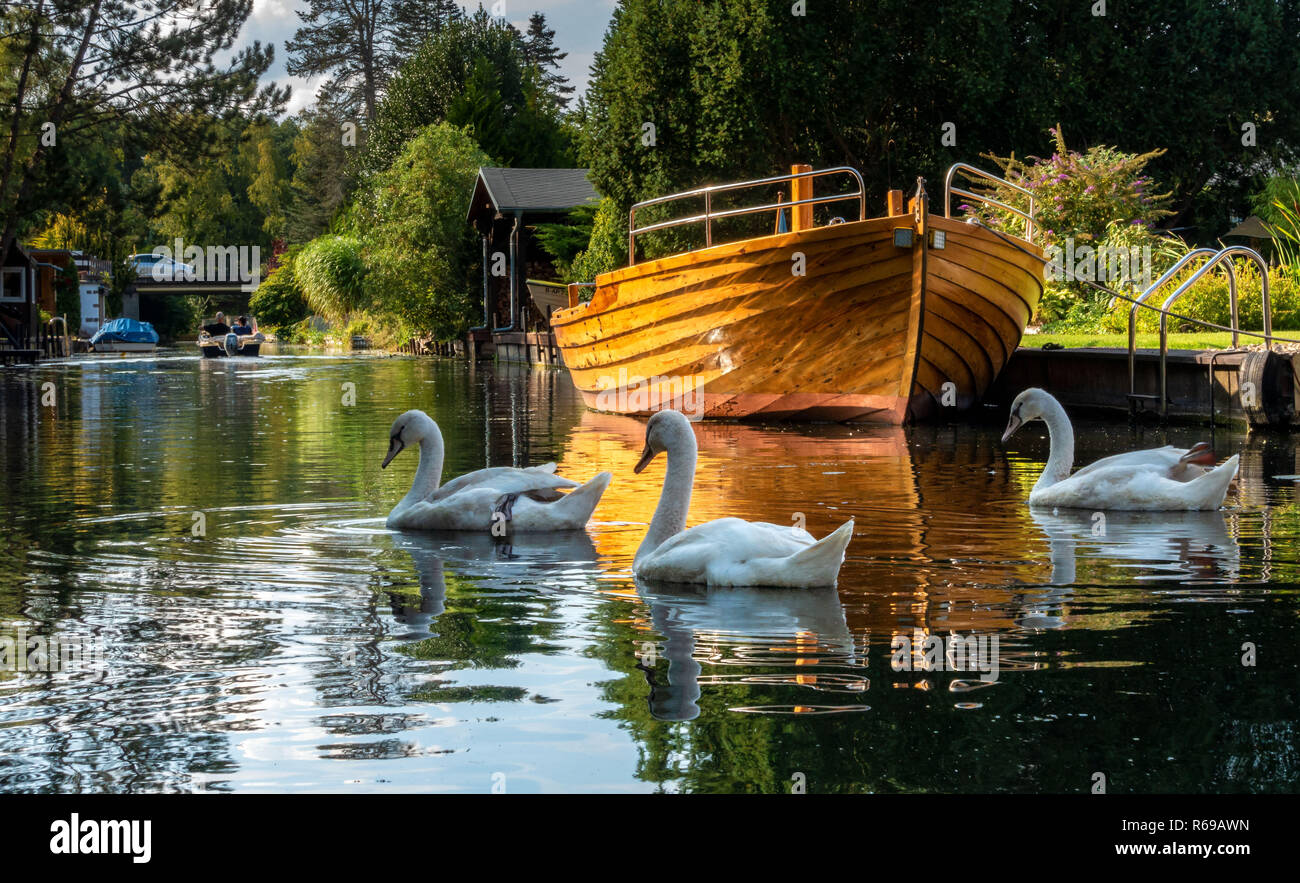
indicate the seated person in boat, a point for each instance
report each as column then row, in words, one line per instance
column 243, row 328
column 217, row 326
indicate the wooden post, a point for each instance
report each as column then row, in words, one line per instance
column 801, row 216
column 894, row 202
column 573, row 294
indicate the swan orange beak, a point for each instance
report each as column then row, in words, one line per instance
column 646, row 456
column 1013, row 424
column 394, row 448
column 1201, row 454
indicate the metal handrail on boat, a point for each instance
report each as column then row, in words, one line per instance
column 1225, row 254
column 973, row 172
column 709, row 215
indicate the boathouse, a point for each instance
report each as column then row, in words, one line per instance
column 505, row 209
column 19, row 313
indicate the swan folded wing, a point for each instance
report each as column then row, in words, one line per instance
column 1138, row 489
column 540, row 480
column 720, row 547
column 1158, row 459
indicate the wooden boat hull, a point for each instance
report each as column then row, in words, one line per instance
column 871, row 331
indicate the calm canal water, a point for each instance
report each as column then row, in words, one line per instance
column 298, row 645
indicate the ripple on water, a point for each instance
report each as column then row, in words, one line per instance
column 297, row 644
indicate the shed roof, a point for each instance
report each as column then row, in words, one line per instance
column 1253, row 228
column 505, row 191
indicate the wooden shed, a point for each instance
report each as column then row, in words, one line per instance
column 19, row 314
column 506, row 207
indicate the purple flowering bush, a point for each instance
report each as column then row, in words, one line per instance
column 1099, row 198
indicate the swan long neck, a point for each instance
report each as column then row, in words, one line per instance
column 1060, row 437
column 675, row 499
column 428, row 475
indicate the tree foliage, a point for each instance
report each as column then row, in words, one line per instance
column 746, row 88
column 82, row 72
column 541, row 53
column 321, row 174
column 279, row 301
column 422, row 256
column 472, row 72
column 331, row 275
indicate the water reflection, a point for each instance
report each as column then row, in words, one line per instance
column 299, row 645
column 1186, row 547
column 769, row 629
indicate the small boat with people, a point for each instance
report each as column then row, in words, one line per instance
column 219, row 340
column 124, row 336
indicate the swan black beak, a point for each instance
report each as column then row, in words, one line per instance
column 646, row 456
column 395, row 446
column 1013, row 424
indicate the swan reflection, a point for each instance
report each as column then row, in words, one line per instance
column 1149, row 546
column 772, row 627
column 486, row 559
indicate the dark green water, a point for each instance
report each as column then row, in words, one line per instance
column 298, row 645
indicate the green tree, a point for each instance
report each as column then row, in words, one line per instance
column 352, row 44
column 541, row 53
column 279, row 301
column 417, row 20
column 321, row 176
column 422, row 256
column 480, row 109
column 743, row 88
column 432, row 87
column 607, row 249
column 86, row 70
column 67, row 297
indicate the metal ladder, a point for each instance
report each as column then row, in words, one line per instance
column 1223, row 256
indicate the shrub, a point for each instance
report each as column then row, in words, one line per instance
column 1099, row 199
column 67, row 297
column 1208, row 301
column 565, row 241
column 279, row 301
column 1278, row 205
column 607, row 249
column 422, row 256
column 331, row 275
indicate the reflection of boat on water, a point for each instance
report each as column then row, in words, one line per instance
column 879, row 319
column 916, row 548
column 795, row 627
column 124, row 336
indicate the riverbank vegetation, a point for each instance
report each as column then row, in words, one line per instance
column 358, row 202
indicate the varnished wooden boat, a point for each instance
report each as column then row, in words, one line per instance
column 895, row 318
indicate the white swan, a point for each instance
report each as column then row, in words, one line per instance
column 728, row 551
column 1159, row 479
column 517, row 499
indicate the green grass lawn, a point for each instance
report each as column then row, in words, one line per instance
column 1202, row 340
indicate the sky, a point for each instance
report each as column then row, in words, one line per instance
column 579, row 29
